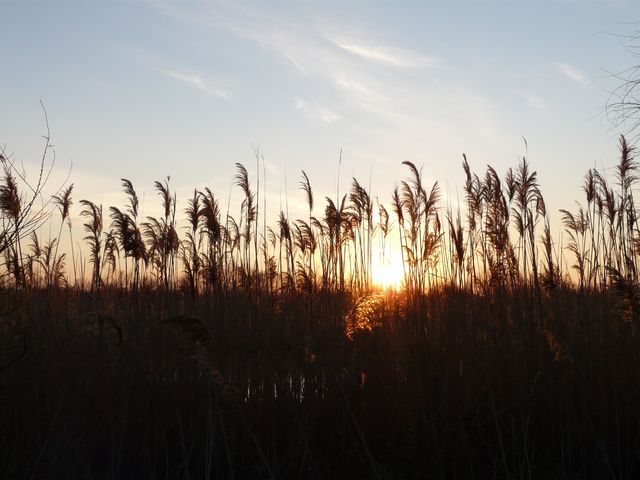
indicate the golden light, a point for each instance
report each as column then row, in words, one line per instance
column 387, row 273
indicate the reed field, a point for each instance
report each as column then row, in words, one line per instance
column 208, row 343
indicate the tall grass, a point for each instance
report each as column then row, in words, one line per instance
column 217, row 348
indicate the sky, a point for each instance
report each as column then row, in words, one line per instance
column 149, row 89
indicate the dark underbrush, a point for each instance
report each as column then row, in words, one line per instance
column 449, row 385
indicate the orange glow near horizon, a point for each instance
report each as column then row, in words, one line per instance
column 389, row 273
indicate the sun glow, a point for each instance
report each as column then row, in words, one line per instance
column 388, row 272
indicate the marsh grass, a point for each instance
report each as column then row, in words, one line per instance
column 220, row 349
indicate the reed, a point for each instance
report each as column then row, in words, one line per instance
column 201, row 346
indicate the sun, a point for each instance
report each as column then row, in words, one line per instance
column 387, row 273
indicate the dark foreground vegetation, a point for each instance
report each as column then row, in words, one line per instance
column 450, row 385
column 232, row 350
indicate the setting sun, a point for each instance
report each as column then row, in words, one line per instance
column 388, row 272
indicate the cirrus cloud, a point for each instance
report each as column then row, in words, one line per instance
column 572, row 73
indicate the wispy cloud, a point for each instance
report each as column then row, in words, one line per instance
column 572, row 73
column 359, row 88
column 398, row 57
column 315, row 111
column 532, row 99
column 357, row 75
column 198, row 82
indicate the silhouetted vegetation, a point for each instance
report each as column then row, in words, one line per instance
column 223, row 347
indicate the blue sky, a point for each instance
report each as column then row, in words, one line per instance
column 148, row 89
